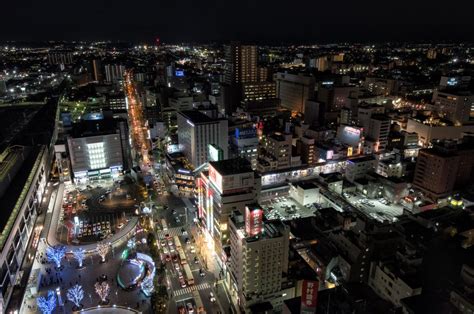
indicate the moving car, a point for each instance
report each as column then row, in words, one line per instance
column 212, row 298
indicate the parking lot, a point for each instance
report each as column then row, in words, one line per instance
column 286, row 208
column 378, row 209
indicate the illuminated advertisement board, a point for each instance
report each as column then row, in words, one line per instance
column 215, row 153
column 179, row 73
column 309, row 297
column 349, row 135
column 253, row 220
column 215, row 177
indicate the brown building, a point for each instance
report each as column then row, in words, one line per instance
column 445, row 167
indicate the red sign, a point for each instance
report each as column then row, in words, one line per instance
column 309, row 296
column 253, row 220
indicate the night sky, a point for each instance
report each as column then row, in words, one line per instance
column 262, row 20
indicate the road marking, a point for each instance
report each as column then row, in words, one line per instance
column 188, row 290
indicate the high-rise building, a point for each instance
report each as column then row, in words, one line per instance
column 259, row 258
column 97, row 70
column 241, row 64
column 377, row 133
column 228, row 185
column 244, row 143
column 114, row 72
column 313, row 112
column 444, row 167
column 293, row 90
column 60, row 57
column 305, row 148
column 196, row 131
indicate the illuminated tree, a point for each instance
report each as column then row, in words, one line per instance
column 103, row 249
column 47, row 304
column 102, row 289
column 55, row 254
column 75, row 295
column 131, row 244
column 148, row 285
column 79, row 254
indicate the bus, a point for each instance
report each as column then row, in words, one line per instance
column 182, row 256
column 188, row 274
column 164, row 225
column 177, row 242
column 199, row 306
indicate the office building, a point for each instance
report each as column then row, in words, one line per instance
column 455, row 106
column 116, row 101
column 244, row 143
column 444, row 167
column 336, row 97
column 259, row 258
column 305, row 148
column 393, row 282
column 377, row 133
column 196, row 131
column 293, row 90
column 228, row 185
column 313, row 112
column 98, row 148
column 276, row 152
column 357, row 168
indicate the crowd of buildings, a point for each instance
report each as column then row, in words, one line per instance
column 239, row 127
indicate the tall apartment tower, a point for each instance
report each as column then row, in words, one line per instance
column 259, row 257
column 241, row 64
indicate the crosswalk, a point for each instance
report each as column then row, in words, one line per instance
column 190, row 289
column 171, row 231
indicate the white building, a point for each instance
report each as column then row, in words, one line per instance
column 458, row 107
column 259, row 259
column 389, row 282
column 304, row 193
column 245, row 144
column 228, row 185
column 196, row 131
column 98, row 149
column 357, row 168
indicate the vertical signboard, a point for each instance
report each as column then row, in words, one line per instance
column 253, row 220
column 309, row 297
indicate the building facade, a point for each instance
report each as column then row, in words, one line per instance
column 197, row 131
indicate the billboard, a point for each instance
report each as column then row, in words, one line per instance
column 309, row 296
column 350, row 135
column 179, row 73
column 215, row 153
column 215, row 177
column 253, row 220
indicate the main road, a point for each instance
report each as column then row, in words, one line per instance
column 178, row 214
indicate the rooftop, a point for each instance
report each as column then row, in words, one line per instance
column 232, row 166
column 196, row 117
